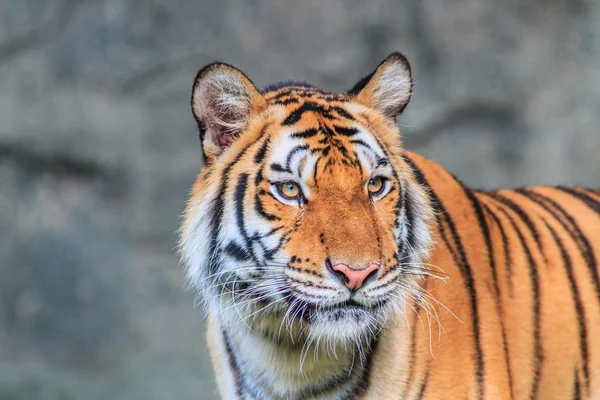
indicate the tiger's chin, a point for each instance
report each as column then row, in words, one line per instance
column 347, row 323
column 344, row 323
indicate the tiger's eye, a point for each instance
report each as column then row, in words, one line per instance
column 375, row 185
column 289, row 190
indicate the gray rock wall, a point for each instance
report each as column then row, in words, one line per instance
column 98, row 149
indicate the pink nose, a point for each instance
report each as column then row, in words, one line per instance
column 354, row 278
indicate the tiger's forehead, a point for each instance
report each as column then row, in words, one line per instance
column 308, row 107
column 294, row 92
column 321, row 135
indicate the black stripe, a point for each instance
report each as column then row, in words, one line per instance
column 586, row 198
column 522, row 215
column 365, row 145
column 538, row 354
column 295, row 150
column 258, row 205
column 560, row 214
column 308, row 106
column 260, row 154
column 345, row 131
column 259, row 177
column 506, row 250
column 219, row 205
column 279, row 168
column 305, row 134
column 234, row 366
column 410, row 219
column 286, row 92
column 413, row 355
column 386, row 154
column 270, row 253
column 424, row 384
column 357, row 163
column 240, row 192
column 461, row 261
column 236, row 252
column 375, row 157
column 365, row 380
column 342, row 113
column 485, row 230
column 382, row 162
column 579, row 310
column 291, row 100
column 576, row 387
column 315, row 170
column 260, row 209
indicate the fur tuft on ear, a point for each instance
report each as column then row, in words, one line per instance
column 223, row 99
column 388, row 88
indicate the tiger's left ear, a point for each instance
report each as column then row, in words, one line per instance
column 388, row 88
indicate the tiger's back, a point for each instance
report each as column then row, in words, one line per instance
column 521, row 317
column 337, row 265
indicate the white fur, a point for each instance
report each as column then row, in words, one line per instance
column 328, row 345
column 392, row 90
column 196, row 236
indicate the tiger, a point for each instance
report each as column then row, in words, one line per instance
column 333, row 263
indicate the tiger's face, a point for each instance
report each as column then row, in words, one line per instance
column 305, row 222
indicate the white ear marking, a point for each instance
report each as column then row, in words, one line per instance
column 388, row 89
column 392, row 91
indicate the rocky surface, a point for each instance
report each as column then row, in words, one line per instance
column 98, row 150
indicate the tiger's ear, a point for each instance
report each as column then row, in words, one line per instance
column 223, row 100
column 388, row 88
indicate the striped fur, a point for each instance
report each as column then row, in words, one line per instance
column 480, row 294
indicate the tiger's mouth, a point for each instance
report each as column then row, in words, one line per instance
column 350, row 305
column 349, row 310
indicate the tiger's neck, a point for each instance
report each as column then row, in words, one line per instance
column 254, row 366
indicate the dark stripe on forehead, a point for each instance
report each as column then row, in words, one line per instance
column 279, row 168
column 291, row 154
column 364, row 144
column 345, row 131
column 325, row 110
column 376, row 158
column 305, row 134
column 382, row 162
column 290, row 100
column 308, row 106
column 343, row 113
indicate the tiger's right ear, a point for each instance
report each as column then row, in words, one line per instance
column 223, row 100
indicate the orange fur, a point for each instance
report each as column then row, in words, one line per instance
column 518, row 315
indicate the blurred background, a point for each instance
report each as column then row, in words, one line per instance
column 98, row 149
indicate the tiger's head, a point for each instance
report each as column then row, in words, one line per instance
column 305, row 220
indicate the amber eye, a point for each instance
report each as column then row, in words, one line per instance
column 376, row 185
column 289, row 190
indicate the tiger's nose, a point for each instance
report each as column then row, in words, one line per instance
column 354, row 278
